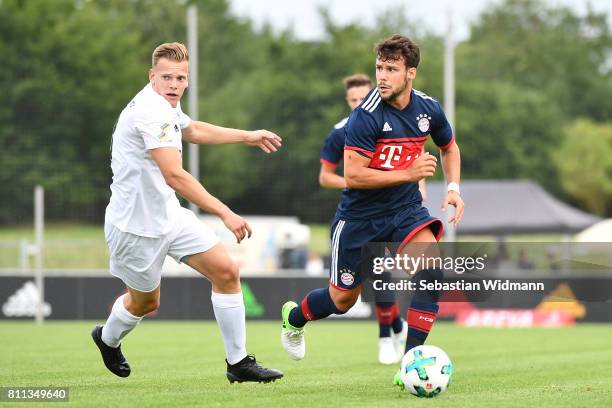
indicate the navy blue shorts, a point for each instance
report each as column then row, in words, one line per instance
column 348, row 237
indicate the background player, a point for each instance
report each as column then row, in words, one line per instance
column 383, row 161
column 392, row 328
column 144, row 221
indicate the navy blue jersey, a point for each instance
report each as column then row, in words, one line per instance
column 333, row 148
column 392, row 139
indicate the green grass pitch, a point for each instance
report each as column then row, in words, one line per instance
column 181, row 364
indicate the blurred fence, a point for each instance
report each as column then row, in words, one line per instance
column 278, row 184
column 83, row 247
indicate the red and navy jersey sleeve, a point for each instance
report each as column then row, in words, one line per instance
column 333, row 148
column 361, row 133
column 441, row 131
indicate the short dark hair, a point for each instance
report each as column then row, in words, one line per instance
column 396, row 47
column 356, row 80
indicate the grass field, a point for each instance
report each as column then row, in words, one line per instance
column 181, row 364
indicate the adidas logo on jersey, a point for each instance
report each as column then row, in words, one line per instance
column 24, row 302
column 387, row 127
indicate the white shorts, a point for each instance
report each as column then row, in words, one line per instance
column 138, row 260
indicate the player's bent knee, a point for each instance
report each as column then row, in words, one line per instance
column 154, row 305
column 227, row 274
column 345, row 300
column 345, row 305
column 144, row 307
column 150, row 306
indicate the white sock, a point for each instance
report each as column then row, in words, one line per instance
column 119, row 323
column 229, row 312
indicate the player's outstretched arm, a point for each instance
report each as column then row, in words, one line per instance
column 359, row 176
column 169, row 161
column 451, row 166
column 206, row 133
column 329, row 179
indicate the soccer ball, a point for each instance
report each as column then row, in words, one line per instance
column 426, row 371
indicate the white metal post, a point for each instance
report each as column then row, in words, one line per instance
column 39, row 217
column 192, row 45
column 449, row 72
column 450, row 234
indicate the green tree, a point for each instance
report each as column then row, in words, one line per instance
column 584, row 160
column 66, row 74
column 551, row 49
column 527, row 70
column 70, row 66
column 506, row 132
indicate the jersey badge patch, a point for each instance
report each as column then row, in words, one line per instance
column 164, row 136
column 423, row 122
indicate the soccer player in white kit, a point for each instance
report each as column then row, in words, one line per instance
column 145, row 222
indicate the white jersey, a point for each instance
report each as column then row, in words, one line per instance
column 141, row 202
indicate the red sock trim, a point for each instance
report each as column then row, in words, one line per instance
column 421, row 320
column 386, row 315
column 306, row 309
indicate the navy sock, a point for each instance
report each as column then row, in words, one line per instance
column 384, row 330
column 423, row 308
column 318, row 304
column 397, row 324
column 421, row 317
column 387, row 312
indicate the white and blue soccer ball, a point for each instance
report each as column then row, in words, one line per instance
column 426, row 371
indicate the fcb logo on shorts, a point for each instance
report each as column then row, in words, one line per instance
column 423, row 122
column 347, row 278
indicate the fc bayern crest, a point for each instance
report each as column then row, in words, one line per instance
column 423, row 122
column 347, row 278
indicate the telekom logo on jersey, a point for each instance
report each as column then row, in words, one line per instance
column 396, row 156
column 390, row 154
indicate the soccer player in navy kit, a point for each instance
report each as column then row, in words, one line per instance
column 383, row 162
column 357, row 87
column 392, row 328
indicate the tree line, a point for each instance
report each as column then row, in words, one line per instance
column 533, row 86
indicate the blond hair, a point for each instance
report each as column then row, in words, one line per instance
column 175, row 51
